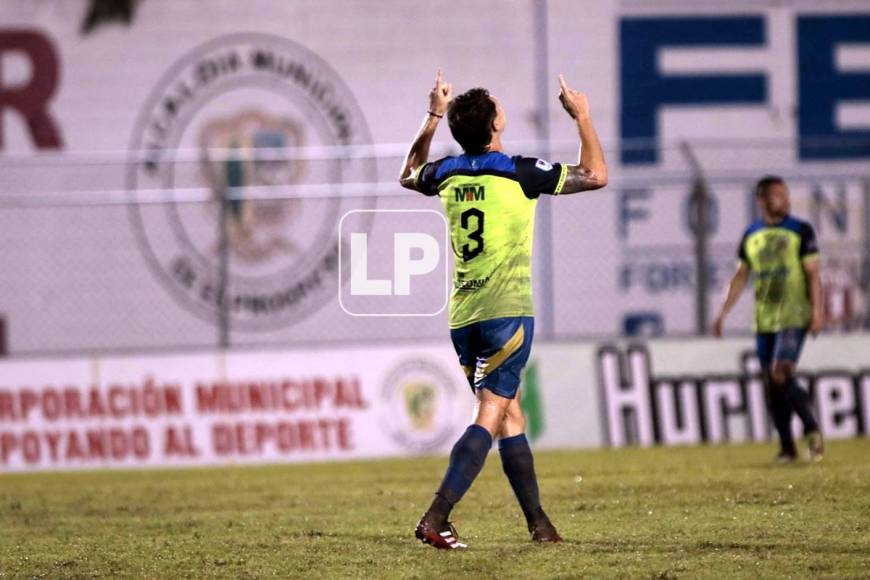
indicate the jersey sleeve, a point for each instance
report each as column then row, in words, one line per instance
column 537, row 176
column 424, row 179
column 809, row 248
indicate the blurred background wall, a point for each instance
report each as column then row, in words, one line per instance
column 178, row 180
column 123, row 123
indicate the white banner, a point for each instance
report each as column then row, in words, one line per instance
column 224, row 409
column 397, row 401
column 688, row 392
column 684, row 392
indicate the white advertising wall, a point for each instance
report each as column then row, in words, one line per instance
column 687, row 392
column 398, row 401
column 136, row 113
column 230, row 408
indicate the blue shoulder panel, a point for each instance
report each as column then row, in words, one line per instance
column 488, row 162
column 754, row 227
column 793, row 224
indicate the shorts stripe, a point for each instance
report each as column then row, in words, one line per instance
column 513, row 344
column 494, row 352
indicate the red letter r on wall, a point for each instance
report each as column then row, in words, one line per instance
column 31, row 98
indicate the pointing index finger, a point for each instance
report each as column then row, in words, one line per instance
column 562, row 84
column 438, row 78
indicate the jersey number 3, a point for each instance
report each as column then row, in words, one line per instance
column 469, row 253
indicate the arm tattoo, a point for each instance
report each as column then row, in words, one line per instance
column 580, row 178
column 409, row 182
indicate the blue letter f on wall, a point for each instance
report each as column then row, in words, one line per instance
column 645, row 89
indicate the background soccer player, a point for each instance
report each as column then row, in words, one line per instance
column 782, row 254
column 490, row 201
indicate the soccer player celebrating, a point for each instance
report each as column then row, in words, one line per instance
column 490, row 200
column 782, row 254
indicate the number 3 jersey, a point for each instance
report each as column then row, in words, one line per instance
column 775, row 254
column 490, row 202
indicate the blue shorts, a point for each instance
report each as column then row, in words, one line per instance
column 784, row 345
column 494, row 352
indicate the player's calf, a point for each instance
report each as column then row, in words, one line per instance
column 519, row 467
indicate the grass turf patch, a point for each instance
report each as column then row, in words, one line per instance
column 653, row 513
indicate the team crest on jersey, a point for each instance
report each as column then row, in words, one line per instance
column 419, row 405
column 772, row 247
column 543, row 165
column 217, row 127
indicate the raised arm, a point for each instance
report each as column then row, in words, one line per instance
column 418, row 154
column 735, row 288
column 591, row 169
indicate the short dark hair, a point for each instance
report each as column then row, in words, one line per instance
column 470, row 116
column 767, row 181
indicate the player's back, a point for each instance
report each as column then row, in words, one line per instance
column 491, row 214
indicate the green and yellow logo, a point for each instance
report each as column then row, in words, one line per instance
column 471, row 192
column 420, row 406
column 420, row 402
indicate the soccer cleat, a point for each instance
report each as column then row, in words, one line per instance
column 443, row 537
column 543, row 530
column 785, row 458
column 816, row 446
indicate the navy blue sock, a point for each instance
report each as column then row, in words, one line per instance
column 519, row 466
column 780, row 411
column 799, row 400
column 466, row 461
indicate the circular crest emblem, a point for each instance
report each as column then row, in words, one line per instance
column 219, row 119
column 421, row 407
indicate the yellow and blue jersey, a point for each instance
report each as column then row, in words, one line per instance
column 490, row 202
column 775, row 254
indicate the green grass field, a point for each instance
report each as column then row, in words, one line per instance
column 657, row 513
